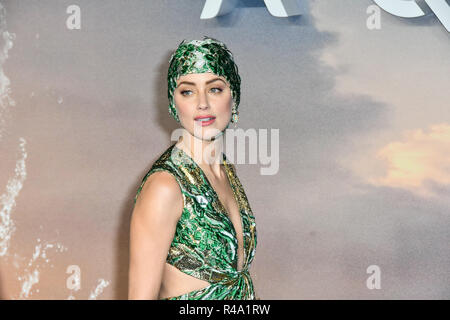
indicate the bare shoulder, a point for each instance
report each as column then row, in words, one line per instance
column 160, row 194
column 156, row 213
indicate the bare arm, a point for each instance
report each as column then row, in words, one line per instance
column 155, row 215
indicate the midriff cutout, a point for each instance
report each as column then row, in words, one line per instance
column 176, row 282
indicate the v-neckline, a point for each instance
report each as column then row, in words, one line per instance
column 216, row 196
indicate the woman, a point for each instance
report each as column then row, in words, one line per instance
column 193, row 234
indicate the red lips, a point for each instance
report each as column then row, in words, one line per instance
column 203, row 117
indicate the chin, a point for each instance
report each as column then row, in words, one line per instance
column 208, row 131
column 207, row 135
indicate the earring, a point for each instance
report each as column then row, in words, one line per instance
column 235, row 115
column 235, row 118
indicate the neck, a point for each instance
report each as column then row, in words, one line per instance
column 206, row 153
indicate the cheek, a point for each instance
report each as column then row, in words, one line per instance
column 225, row 105
column 184, row 109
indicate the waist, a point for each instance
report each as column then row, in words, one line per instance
column 230, row 278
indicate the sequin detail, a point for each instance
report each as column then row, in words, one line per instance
column 205, row 243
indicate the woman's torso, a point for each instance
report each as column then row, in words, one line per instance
column 215, row 241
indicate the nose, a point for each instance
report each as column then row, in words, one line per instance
column 202, row 101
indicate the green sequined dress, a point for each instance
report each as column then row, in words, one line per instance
column 205, row 243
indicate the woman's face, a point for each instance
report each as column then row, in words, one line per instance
column 203, row 95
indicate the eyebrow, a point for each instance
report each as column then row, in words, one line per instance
column 207, row 82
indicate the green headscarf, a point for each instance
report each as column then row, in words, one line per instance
column 200, row 56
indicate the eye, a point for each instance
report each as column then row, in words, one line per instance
column 220, row 90
column 182, row 92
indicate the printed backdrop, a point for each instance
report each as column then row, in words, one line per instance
column 362, row 194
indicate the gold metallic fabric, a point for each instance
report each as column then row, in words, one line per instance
column 205, row 243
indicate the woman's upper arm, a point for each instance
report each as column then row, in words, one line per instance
column 153, row 222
